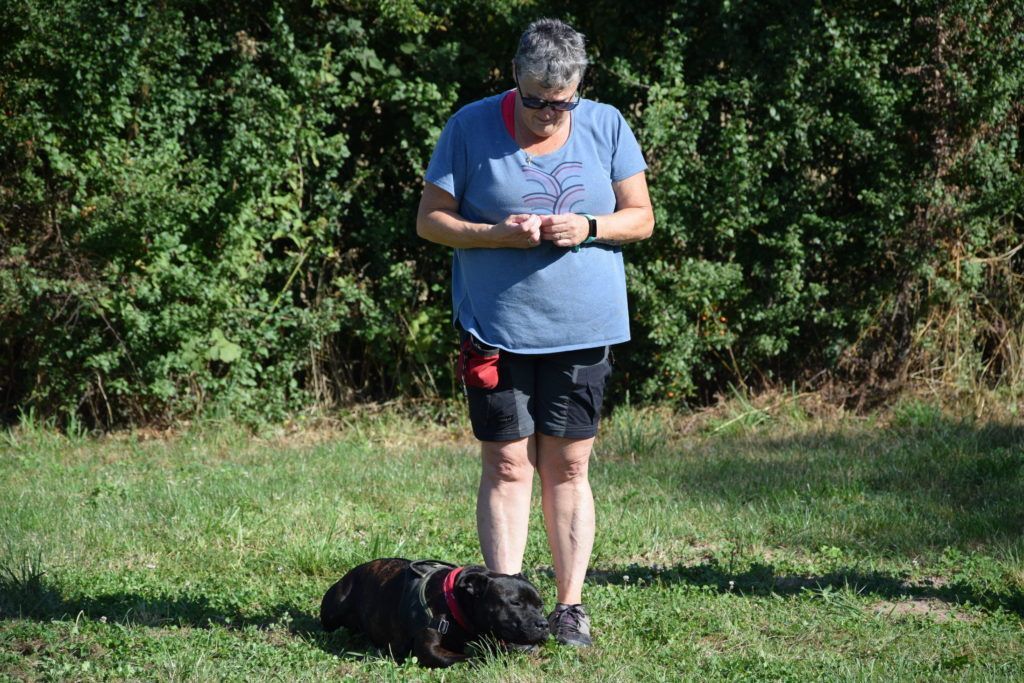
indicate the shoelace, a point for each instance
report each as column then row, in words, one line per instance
column 573, row 612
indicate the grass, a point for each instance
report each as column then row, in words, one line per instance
column 758, row 543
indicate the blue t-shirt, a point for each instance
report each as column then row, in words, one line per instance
column 544, row 299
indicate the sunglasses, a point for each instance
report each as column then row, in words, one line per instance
column 557, row 105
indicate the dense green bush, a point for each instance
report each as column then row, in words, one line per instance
column 821, row 175
column 211, row 206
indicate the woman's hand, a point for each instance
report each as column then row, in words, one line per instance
column 519, row 231
column 564, row 229
column 438, row 220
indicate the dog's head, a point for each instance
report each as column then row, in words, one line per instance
column 505, row 606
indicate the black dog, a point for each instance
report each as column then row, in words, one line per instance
column 433, row 609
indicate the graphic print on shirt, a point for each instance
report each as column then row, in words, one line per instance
column 557, row 193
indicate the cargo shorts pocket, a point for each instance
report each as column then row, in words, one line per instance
column 587, row 392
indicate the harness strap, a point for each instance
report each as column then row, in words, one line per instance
column 423, row 589
column 427, row 568
column 440, row 623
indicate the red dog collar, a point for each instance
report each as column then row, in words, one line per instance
column 449, row 599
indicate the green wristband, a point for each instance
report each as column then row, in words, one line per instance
column 592, row 234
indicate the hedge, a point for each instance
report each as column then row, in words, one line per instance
column 209, row 207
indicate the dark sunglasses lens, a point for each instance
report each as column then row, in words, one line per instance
column 564, row 106
column 535, row 103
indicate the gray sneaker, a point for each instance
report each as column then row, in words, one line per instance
column 570, row 625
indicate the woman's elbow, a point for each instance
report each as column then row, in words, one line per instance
column 647, row 227
column 424, row 225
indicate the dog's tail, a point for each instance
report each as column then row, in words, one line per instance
column 333, row 608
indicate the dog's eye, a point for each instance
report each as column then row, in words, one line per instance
column 515, row 603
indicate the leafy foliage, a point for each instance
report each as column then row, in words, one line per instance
column 803, row 162
column 212, row 208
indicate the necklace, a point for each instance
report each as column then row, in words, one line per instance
column 526, row 155
column 521, row 131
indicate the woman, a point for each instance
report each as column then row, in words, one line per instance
column 536, row 189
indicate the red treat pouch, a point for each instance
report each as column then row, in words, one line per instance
column 478, row 363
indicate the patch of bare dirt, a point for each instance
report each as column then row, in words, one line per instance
column 940, row 611
column 31, row 646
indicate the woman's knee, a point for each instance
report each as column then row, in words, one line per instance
column 571, row 469
column 566, row 471
column 564, row 461
column 507, row 463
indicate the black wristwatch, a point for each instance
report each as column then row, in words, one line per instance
column 591, row 233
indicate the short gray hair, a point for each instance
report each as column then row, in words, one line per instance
column 551, row 52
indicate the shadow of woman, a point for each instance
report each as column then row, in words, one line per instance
column 764, row 580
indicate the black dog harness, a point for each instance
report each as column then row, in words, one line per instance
column 414, row 599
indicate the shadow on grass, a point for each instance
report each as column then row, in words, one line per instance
column 763, row 580
column 29, row 596
column 925, row 484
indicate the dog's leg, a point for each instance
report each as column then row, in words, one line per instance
column 333, row 610
column 430, row 653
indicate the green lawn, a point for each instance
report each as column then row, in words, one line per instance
column 749, row 546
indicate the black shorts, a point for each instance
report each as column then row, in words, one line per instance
column 558, row 394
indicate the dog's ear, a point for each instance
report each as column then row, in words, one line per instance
column 475, row 583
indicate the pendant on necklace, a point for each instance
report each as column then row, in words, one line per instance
column 529, row 159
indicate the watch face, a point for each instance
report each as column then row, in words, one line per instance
column 593, row 227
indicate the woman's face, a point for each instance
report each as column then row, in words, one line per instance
column 543, row 122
